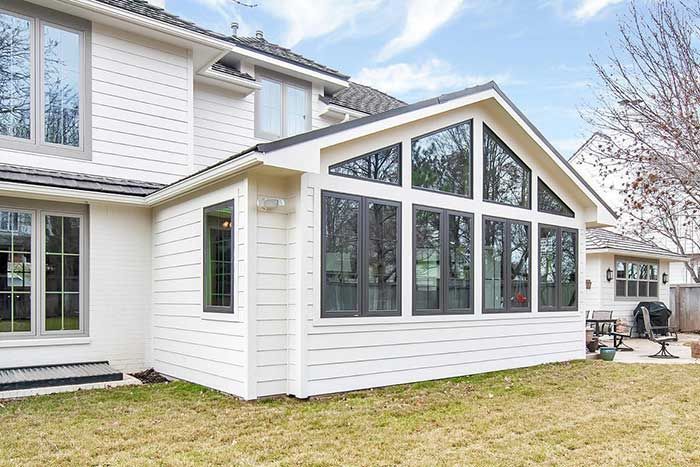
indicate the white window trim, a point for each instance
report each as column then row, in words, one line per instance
column 38, row 17
column 284, row 82
column 639, row 262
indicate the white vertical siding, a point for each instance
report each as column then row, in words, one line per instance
column 205, row 348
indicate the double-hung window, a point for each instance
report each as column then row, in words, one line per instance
column 361, row 256
column 282, row 108
column 443, row 261
column 506, row 265
column 558, row 268
column 218, row 258
column 636, row 278
column 42, row 260
column 43, row 86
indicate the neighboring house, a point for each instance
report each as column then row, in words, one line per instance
column 234, row 214
column 622, row 271
column 611, row 186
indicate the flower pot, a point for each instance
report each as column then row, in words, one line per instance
column 608, row 353
column 695, row 349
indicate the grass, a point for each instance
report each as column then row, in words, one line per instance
column 581, row 413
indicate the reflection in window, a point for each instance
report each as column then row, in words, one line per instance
column 548, row 267
column 62, row 273
column 519, row 266
column 15, row 272
column 569, row 257
column 341, row 233
column 636, row 279
column 15, row 76
column 61, row 90
column 382, row 250
column 218, row 258
column 506, row 265
column 506, row 177
column 383, row 165
column 270, row 96
column 460, row 262
column 296, row 110
column 548, row 201
column 558, row 268
column 494, row 239
column 442, row 161
column 427, row 261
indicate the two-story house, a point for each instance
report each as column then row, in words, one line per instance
column 234, row 214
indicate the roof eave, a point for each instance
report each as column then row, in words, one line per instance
column 636, row 253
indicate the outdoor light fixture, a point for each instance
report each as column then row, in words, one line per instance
column 664, row 278
column 608, row 274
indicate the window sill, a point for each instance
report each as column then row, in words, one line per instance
column 45, row 342
column 419, row 319
column 226, row 317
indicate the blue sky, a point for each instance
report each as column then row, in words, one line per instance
column 538, row 51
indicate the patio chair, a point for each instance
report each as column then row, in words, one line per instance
column 661, row 340
column 604, row 328
column 619, row 337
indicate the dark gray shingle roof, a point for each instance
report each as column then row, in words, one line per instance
column 600, row 239
column 144, row 8
column 363, row 99
column 223, row 68
column 76, row 181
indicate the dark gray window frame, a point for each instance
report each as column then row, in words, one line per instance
column 484, row 129
column 557, row 306
column 540, row 182
column 205, row 251
column 444, row 265
column 638, row 261
column 396, row 145
column 469, row 195
column 506, row 271
column 39, row 15
column 362, row 259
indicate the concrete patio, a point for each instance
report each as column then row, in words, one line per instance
column 644, row 347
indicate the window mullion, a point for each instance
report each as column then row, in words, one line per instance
column 363, row 259
column 507, row 265
column 444, row 258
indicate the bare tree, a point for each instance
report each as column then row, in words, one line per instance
column 648, row 106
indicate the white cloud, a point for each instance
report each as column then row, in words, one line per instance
column 423, row 17
column 308, row 19
column 587, row 9
column 412, row 81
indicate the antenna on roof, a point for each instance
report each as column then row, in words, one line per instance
column 234, row 29
column 259, row 35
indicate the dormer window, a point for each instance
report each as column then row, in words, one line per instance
column 283, row 107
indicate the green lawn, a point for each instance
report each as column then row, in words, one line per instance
column 583, row 413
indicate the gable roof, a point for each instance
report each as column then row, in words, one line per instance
column 363, row 99
column 143, row 8
column 603, row 239
column 76, row 181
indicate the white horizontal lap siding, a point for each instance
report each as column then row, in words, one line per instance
column 223, row 124
column 204, row 348
column 340, row 354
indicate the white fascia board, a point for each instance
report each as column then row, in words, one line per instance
column 51, row 193
column 203, row 178
column 238, row 85
column 340, row 112
column 636, row 254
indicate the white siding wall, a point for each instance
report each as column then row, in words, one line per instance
column 601, row 295
column 119, row 297
column 205, row 348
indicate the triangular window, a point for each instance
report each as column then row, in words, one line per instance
column 548, row 201
column 506, row 177
column 383, row 165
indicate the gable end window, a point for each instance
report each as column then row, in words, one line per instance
column 558, row 268
column 506, row 265
column 383, row 166
column 361, row 256
column 43, row 84
column 442, row 160
column 549, row 202
column 282, row 108
column 443, row 273
column 506, row 177
column 636, row 278
column 218, row 258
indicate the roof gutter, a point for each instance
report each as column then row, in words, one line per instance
column 639, row 254
column 34, row 191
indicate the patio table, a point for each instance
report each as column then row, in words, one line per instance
column 599, row 322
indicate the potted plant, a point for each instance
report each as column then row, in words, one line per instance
column 608, row 353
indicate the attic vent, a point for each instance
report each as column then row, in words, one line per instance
column 259, row 35
column 234, row 29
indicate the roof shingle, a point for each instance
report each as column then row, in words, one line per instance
column 223, row 68
column 363, row 99
column 600, row 239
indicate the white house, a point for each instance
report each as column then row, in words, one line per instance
column 234, row 214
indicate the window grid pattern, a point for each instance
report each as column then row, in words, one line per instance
column 218, row 258
column 62, row 273
column 16, row 230
column 636, row 278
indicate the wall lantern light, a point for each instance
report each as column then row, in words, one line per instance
column 664, row 278
column 608, row 274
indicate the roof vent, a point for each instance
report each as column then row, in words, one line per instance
column 234, row 29
column 259, row 35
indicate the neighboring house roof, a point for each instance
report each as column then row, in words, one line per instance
column 144, row 8
column 229, row 70
column 603, row 239
column 76, row 181
column 363, row 99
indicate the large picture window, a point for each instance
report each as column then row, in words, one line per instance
column 506, row 259
column 361, row 256
column 506, row 178
column 558, row 268
column 442, row 160
column 636, row 278
column 54, row 246
column 383, row 165
column 218, row 258
column 443, row 261
column 42, row 81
